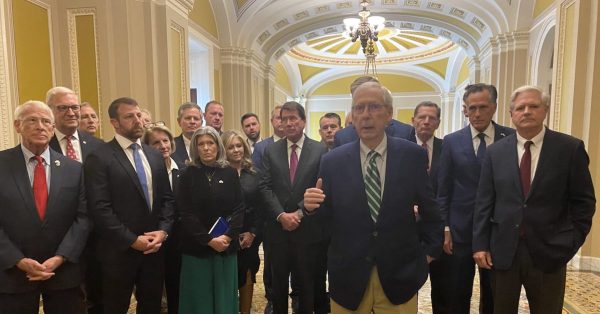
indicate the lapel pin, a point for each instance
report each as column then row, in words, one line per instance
column 502, row 134
column 221, row 181
column 84, row 142
column 57, row 163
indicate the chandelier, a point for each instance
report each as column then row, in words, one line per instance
column 366, row 28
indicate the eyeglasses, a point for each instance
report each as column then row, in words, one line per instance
column 360, row 108
column 154, row 124
column 35, row 121
column 65, row 108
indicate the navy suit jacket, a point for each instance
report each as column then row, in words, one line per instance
column 458, row 178
column 397, row 243
column 556, row 214
column 394, row 129
column 180, row 155
column 435, row 163
column 116, row 200
column 87, row 142
column 259, row 150
column 63, row 231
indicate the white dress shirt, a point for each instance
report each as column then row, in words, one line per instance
column 489, row 136
column 125, row 143
column 32, row 163
column 535, row 148
column 380, row 162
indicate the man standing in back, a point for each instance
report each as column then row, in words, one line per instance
column 189, row 117
column 251, row 127
column 460, row 166
column 130, row 200
column 214, row 114
column 329, row 124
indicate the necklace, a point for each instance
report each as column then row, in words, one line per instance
column 210, row 175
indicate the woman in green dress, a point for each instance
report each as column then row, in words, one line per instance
column 208, row 190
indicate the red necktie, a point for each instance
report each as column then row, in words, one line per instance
column 424, row 145
column 293, row 163
column 525, row 169
column 70, row 150
column 40, row 188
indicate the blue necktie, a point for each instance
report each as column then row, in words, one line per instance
column 139, row 169
column 482, row 147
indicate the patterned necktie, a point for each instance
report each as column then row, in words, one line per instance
column 70, row 149
column 424, row 145
column 482, row 147
column 525, row 169
column 139, row 169
column 373, row 185
column 293, row 163
column 40, row 187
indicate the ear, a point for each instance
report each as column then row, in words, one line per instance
column 17, row 125
column 115, row 123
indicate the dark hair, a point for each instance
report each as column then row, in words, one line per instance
column 248, row 115
column 428, row 103
column 294, row 106
column 212, row 102
column 114, row 106
column 360, row 80
column 186, row 106
column 332, row 115
column 480, row 87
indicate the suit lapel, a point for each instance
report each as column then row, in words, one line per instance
column 127, row 166
column 544, row 163
column 56, row 182
column 19, row 173
column 513, row 162
column 282, row 161
column 467, row 143
column 55, row 145
column 304, row 155
column 499, row 132
column 357, row 174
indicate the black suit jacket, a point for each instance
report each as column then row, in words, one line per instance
column 87, row 142
column 180, row 155
column 395, row 129
column 396, row 244
column 259, row 150
column 556, row 214
column 281, row 196
column 435, row 163
column 117, row 203
column 63, row 232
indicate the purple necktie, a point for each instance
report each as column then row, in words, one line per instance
column 293, row 163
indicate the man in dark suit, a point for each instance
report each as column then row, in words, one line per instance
column 365, row 194
column 130, row 200
column 394, row 127
column 77, row 145
column 329, row 124
column 460, row 166
column 278, row 133
column 43, row 220
column 291, row 166
column 534, row 208
column 214, row 114
column 189, row 117
column 67, row 113
column 426, row 120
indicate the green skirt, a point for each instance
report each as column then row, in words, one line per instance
column 208, row 285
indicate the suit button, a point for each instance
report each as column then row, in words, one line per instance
column 369, row 259
column 517, row 226
column 525, row 206
column 375, row 234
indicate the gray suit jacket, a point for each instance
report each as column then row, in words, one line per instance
column 63, row 231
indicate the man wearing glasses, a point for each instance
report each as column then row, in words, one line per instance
column 67, row 139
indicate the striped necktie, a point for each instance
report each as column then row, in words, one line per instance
column 373, row 185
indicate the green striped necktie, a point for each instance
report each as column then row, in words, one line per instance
column 373, row 185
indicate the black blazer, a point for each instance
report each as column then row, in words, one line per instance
column 63, row 232
column 117, row 203
column 87, row 142
column 556, row 214
column 396, row 244
column 180, row 155
column 280, row 196
column 435, row 163
column 253, row 203
column 200, row 203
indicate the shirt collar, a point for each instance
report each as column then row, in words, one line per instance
column 381, row 148
column 429, row 141
column 28, row 154
column 125, row 142
column 60, row 136
column 489, row 131
column 276, row 138
column 173, row 166
column 299, row 143
column 537, row 140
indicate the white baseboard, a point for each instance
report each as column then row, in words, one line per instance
column 585, row 263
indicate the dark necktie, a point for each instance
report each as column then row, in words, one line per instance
column 139, row 169
column 40, row 187
column 482, row 147
column 525, row 169
column 424, row 145
column 70, row 149
column 293, row 163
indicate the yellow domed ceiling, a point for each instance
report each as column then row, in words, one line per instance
column 393, row 46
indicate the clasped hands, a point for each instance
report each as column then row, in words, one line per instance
column 149, row 242
column 40, row 272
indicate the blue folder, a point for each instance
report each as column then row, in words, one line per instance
column 219, row 227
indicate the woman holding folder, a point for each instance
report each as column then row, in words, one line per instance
column 209, row 195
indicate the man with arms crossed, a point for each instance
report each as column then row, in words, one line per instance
column 534, row 208
column 378, row 257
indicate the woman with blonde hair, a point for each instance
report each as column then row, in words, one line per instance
column 209, row 195
column 240, row 158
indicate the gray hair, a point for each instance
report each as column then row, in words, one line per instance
column 388, row 100
column 55, row 91
column 32, row 104
column 221, row 161
column 528, row 88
